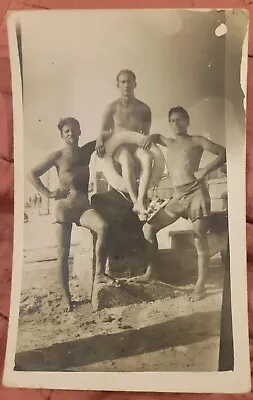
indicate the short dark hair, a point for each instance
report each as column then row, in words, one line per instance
column 126, row 71
column 181, row 110
column 68, row 121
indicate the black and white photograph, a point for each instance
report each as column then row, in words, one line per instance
column 130, row 246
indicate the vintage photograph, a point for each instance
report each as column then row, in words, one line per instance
column 129, row 122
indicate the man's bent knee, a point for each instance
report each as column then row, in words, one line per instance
column 125, row 156
column 102, row 228
column 146, row 156
column 201, row 244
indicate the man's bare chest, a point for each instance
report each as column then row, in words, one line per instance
column 75, row 164
column 183, row 151
column 127, row 114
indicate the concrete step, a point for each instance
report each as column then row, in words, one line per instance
column 108, row 296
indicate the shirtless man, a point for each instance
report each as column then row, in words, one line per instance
column 129, row 114
column 72, row 204
column 191, row 198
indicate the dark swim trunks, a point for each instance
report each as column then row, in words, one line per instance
column 70, row 209
column 190, row 201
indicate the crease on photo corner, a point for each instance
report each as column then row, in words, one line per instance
column 20, row 55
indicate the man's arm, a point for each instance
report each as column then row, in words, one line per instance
column 146, row 124
column 213, row 148
column 107, row 119
column 155, row 138
column 88, row 149
column 41, row 169
column 107, row 128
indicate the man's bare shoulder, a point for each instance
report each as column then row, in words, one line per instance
column 88, row 148
column 143, row 106
column 56, row 155
column 166, row 141
column 111, row 108
column 50, row 161
column 198, row 140
column 169, row 140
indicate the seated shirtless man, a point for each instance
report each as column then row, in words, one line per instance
column 191, row 198
column 129, row 114
column 72, row 204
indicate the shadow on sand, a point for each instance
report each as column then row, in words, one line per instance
column 180, row 331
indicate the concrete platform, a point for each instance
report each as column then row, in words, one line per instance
column 127, row 257
column 108, row 296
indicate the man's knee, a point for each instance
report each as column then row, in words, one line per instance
column 102, row 228
column 145, row 157
column 201, row 243
column 125, row 156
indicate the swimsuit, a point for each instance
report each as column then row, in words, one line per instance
column 190, row 201
column 70, row 209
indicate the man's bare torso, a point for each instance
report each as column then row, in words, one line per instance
column 183, row 159
column 73, row 168
column 132, row 116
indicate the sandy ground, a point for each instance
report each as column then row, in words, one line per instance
column 170, row 334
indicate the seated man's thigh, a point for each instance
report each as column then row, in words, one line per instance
column 143, row 155
column 123, row 154
column 90, row 219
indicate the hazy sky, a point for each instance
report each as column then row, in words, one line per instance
column 71, row 60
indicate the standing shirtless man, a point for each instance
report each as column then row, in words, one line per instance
column 129, row 114
column 191, row 198
column 72, row 204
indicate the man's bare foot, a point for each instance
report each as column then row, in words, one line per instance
column 139, row 208
column 141, row 211
column 103, row 278
column 142, row 217
column 145, row 278
column 198, row 294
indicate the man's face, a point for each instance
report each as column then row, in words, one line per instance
column 179, row 123
column 126, row 84
column 70, row 134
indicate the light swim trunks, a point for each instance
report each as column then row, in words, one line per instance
column 190, row 201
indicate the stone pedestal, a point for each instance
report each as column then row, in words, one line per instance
column 125, row 244
column 107, row 296
column 127, row 257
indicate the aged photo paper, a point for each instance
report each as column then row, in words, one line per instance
column 129, row 262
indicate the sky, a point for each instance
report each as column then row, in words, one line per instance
column 71, row 59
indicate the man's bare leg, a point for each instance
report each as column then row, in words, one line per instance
column 63, row 237
column 93, row 221
column 151, row 251
column 150, row 230
column 145, row 160
column 200, row 227
column 128, row 167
